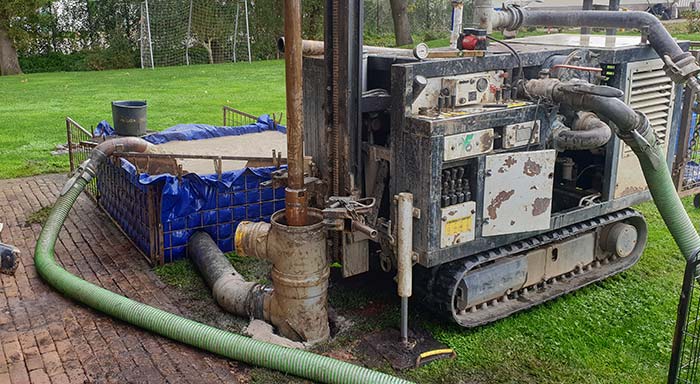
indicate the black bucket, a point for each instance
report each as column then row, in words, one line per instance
column 129, row 117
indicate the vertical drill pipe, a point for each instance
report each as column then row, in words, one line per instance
column 587, row 6
column 457, row 7
column 404, row 319
column 405, row 256
column 482, row 11
column 295, row 196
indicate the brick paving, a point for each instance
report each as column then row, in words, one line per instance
column 45, row 338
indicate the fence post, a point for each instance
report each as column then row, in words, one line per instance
column 189, row 36
column 150, row 41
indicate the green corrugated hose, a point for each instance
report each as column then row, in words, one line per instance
column 293, row 361
column 652, row 158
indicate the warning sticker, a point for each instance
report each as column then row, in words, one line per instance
column 454, row 227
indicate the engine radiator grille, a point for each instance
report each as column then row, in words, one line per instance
column 651, row 92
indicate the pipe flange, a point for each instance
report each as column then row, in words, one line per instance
column 515, row 17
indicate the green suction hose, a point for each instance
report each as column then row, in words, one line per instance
column 296, row 362
column 652, row 158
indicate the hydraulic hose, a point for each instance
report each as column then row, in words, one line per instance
column 296, row 362
column 587, row 132
column 636, row 131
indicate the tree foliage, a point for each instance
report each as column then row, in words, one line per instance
column 17, row 19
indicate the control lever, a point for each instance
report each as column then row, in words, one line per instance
column 350, row 215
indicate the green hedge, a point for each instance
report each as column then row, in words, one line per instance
column 120, row 54
column 55, row 62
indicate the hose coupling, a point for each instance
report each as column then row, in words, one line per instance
column 86, row 171
column 643, row 141
column 682, row 69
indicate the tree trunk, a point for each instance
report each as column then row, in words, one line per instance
column 207, row 46
column 402, row 27
column 9, row 64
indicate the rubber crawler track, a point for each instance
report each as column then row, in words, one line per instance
column 440, row 282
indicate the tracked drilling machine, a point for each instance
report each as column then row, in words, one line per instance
column 488, row 180
column 492, row 176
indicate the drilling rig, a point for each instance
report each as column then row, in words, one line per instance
column 488, row 175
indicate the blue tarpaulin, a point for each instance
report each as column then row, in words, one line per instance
column 103, row 129
column 209, row 202
column 187, row 132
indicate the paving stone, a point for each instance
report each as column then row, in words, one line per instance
column 46, row 338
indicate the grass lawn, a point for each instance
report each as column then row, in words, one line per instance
column 617, row 331
column 33, row 107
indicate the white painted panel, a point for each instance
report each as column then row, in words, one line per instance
column 518, row 192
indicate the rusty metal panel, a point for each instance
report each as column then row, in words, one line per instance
column 518, row 135
column 518, row 192
column 457, row 224
column 468, row 144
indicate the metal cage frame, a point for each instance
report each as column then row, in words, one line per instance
column 135, row 208
column 688, row 149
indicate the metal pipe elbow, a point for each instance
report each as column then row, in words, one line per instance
column 230, row 290
column 124, row 144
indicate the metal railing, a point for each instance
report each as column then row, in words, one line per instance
column 685, row 352
column 235, row 118
column 80, row 144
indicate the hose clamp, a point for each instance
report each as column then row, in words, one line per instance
column 696, row 256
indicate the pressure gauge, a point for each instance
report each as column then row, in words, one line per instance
column 421, row 51
column 482, row 84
